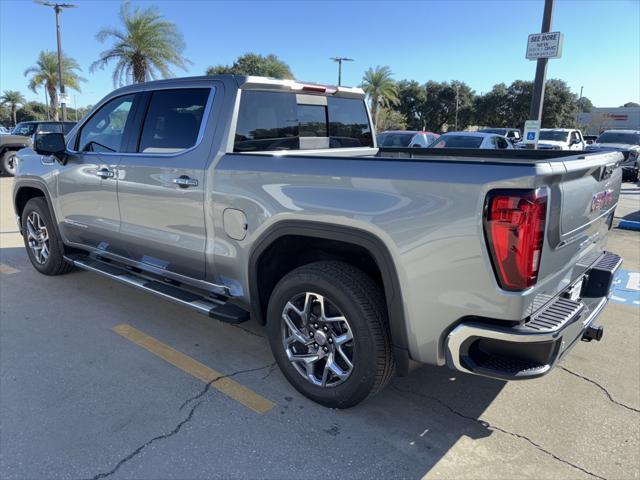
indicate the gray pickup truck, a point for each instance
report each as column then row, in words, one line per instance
column 249, row 197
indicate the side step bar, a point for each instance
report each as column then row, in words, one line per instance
column 217, row 308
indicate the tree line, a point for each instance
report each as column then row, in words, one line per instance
column 438, row 106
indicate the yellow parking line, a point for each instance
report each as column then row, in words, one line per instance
column 229, row 387
column 6, row 269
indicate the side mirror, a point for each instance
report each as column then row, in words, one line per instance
column 51, row 144
column 416, row 145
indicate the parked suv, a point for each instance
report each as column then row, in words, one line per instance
column 20, row 137
column 245, row 197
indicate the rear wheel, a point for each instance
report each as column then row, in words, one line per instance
column 329, row 333
column 9, row 163
column 41, row 239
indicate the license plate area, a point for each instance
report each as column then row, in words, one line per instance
column 574, row 291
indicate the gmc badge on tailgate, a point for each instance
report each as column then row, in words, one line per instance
column 601, row 199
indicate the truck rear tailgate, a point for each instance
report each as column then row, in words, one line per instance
column 580, row 211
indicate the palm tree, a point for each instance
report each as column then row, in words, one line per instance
column 45, row 73
column 146, row 47
column 13, row 98
column 378, row 83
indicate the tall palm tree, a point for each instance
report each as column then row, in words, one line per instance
column 45, row 73
column 146, row 47
column 13, row 98
column 378, row 83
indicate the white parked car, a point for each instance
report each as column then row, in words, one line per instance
column 559, row 139
column 472, row 140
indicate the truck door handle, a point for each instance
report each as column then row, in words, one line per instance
column 105, row 173
column 185, row 182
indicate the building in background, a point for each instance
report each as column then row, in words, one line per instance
column 599, row 119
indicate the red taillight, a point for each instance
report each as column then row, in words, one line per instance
column 514, row 225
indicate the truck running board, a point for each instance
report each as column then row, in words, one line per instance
column 215, row 307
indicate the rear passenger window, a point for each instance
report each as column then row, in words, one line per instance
column 173, row 120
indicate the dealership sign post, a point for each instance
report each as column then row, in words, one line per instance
column 544, row 45
column 541, row 47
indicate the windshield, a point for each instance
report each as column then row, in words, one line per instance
column 400, row 139
column 458, row 141
column 619, row 137
column 24, row 129
column 555, row 136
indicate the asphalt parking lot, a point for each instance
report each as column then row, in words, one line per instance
column 101, row 381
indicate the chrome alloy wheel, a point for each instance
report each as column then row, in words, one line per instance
column 317, row 339
column 10, row 165
column 38, row 237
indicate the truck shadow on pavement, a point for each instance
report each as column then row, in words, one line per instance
column 400, row 433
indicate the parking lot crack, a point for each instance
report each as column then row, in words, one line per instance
column 603, row 389
column 181, row 424
column 489, row 426
column 139, row 450
column 207, row 387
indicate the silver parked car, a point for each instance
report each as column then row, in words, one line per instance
column 205, row 192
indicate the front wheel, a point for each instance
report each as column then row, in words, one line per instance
column 9, row 163
column 328, row 330
column 41, row 239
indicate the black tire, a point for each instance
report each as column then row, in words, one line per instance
column 9, row 163
column 361, row 301
column 54, row 263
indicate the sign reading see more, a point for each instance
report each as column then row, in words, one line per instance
column 544, row 45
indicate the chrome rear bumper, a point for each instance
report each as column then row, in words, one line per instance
column 531, row 349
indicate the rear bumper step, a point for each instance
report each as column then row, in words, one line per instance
column 531, row 349
column 214, row 307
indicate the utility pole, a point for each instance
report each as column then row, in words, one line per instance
column 537, row 100
column 339, row 60
column 57, row 7
column 457, row 104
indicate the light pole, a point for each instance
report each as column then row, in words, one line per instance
column 339, row 60
column 57, row 7
column 457, row 104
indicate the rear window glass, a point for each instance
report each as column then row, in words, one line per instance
column 275, row 121
column 497, row 131
column 395, row 139
column 173, row 120
column 458, row 141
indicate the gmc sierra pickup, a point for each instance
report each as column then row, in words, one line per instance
column 249, row 197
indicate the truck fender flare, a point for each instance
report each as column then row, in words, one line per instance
column 38, row 185
column 370, row 242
